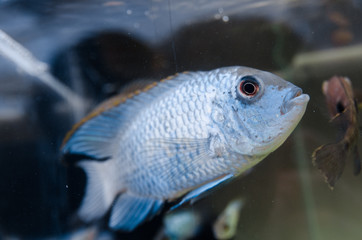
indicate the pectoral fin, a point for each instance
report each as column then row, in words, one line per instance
column 175, row 158
column 195, row 194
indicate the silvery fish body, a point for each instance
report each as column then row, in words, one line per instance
column 179, row 138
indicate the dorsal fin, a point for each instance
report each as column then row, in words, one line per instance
column 128, row 92
column 95, row 134
column 103, row 107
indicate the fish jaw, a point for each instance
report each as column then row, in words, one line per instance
column 296, row 108
column 292, row 112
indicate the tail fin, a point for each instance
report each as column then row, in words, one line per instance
column 101, row 189
column 330, row 159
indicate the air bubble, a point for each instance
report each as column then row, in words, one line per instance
column 225, row 18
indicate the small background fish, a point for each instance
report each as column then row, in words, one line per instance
column 225, row 226
column 331, row 159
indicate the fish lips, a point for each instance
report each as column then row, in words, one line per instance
column 294, row 98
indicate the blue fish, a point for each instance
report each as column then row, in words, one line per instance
column 179, row 138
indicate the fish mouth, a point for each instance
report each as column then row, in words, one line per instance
column 293, row 108
column 294, row 98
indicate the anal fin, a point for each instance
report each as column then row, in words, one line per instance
column 130, row 211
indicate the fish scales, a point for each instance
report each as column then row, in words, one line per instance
column 178, row 139
column 156, row 119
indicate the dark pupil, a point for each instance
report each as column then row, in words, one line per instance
column 249, row 88
column 340, row 107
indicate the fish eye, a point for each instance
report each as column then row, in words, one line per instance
column 248, row 87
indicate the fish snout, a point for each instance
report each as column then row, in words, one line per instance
column 293, row 98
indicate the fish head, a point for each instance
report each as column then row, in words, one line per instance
column 260, row 111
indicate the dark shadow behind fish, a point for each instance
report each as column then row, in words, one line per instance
column 269, row 45
column 331, row 158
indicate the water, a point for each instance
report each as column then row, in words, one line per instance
column 94, row 48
